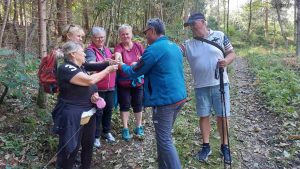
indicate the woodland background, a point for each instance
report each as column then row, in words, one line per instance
column 264, row 32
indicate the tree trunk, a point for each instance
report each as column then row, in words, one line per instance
column 281, row 26
column 266, row 19
column 69, row 5
column 110, row 25
column 85, row 15
column 41, row 100
column 295, row 21
column 61, row 15
column 227, row 20
column 218, row 14
column 21, row 12
column 224, row 14
column 7, row 7
column 250, row 17
column 15, row 17
column 298, row 30
column 15, row 27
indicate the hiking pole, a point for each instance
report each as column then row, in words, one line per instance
column 224, row 114
column 51, row 160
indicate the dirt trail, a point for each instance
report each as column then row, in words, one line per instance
column 258, row 132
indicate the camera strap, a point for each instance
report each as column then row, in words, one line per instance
column 211, row 43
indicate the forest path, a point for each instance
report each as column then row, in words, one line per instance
column 259, row 135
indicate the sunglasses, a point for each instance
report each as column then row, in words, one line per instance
column 145, row 31
column 71, row 25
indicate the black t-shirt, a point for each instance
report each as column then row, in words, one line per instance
column 71, row 92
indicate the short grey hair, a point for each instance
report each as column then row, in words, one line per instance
column 97, row 30
column 157, row 24
column 70, row 47
column 123, row 27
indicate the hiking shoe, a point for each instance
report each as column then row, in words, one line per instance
column 97, row 143
column 225, row 152
column 204, row 153
column 139, row 131
column 108, row 137
column 125, row 134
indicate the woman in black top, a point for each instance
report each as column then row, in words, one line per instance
column 78, row 95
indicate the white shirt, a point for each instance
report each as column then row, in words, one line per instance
column 203, row 58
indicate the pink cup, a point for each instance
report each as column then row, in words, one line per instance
column 100, row 103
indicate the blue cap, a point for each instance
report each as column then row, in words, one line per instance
column 193, row 18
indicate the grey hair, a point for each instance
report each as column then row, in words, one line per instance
column 70, row 47
column 123, row 27
column 97, row 30
column 157, row 24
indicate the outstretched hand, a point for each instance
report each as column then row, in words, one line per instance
column 112, row 62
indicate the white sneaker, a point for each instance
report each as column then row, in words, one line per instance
column 97, row 143
column 109, row 137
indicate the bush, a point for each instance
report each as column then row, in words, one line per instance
column 19, row 77
column 278, row 83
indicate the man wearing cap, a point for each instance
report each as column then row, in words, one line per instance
column 162, row 65
column 205, row 59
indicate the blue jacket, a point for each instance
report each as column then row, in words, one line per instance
column 162, row 65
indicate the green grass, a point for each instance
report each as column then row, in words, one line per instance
column 278, row 83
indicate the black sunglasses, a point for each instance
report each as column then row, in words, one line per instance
column 145, row 31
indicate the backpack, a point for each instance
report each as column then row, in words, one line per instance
column 47, row 73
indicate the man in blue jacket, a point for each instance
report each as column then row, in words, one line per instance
column 164, row 88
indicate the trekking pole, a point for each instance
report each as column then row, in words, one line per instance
column 222, row 91
column 51, row 160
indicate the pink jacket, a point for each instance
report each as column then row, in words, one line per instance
column 109, row 81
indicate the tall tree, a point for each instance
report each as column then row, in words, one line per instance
column 227, row 20
column 41, row 100
column 69, row 4
column 250, row 17
column 298, row 29
column 266, row 18
column 278, row 5
column 85, row 14
column 7, row 7
column 61, row 15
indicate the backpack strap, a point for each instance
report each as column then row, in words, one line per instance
column 211, row 43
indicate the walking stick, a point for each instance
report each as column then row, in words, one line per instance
column 222, row 91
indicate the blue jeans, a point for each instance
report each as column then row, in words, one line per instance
column 163, row 120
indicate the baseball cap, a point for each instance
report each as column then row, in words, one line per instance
column 193, row 18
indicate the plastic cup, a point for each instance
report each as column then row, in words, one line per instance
column 100, row 103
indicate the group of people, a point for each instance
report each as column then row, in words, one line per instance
column 150, row 77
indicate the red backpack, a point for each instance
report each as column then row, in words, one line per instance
column 47, row 73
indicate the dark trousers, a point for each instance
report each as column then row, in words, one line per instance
column 104, row 115
column 86, row 140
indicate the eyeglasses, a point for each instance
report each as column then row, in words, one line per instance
column 145, row 31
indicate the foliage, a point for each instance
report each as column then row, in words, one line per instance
column 278, row 83
column 20, row 77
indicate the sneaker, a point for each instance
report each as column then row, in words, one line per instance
column 204, row 153
column 108, row 137
column 97, row 143
column 139, row 131
column 125, row 134
column 225, row 152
